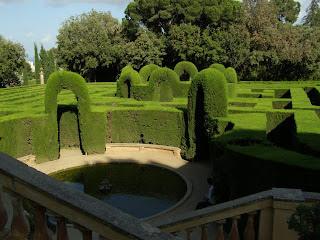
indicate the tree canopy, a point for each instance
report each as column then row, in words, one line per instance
column 160, row 16
column 312, row 18
column 90, row 44
column 12, row 59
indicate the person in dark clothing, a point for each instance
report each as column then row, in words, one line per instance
column 208, row 198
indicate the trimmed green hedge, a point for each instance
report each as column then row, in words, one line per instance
column 146, row 71
column 171, row 80
column 125, row 83
column 281, row 129
column 218, row 66
column 148, row 126
column 126, row 68
column 186, row 70
column 207, row 101
column 92, row 134
column 15, row 137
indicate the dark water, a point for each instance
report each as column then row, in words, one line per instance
column 137, row 189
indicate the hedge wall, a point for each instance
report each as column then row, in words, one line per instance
column 186, row 70
column 162, row 127
column 281, row 129
column 126, row 81
column 146, row 71
column 207, row 101
column 266, row 167
column 15, row 137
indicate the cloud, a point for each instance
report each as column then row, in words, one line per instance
column 47, row 39
column 66, row 2
column 5, row 2
column 30, row 35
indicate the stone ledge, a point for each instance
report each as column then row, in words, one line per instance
column 139, row 147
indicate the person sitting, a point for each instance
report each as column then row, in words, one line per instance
column 208, row 198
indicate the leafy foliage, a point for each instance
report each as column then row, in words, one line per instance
column 312, row 18
column 90, row 44
column 306, row 221
column 146, row 49
column 11, row 62
column 287, row 10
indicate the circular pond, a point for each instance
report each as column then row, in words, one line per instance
column 137, row 189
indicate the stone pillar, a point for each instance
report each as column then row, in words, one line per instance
column 41, row 76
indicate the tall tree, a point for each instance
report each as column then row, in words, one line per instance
column 160, row 16
column 37, row 64
column 91, row 45
column 312, row 18
column 12, row 59
column 44, row 62
column 287, row 10
column 146, row 49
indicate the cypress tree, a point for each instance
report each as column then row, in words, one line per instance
column 312, row 18
column 37, row 65
column 44, row 62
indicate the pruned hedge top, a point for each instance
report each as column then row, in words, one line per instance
column 218, row 66
column 231, row 75
column 146, row 71
column 129, row 75
column 66, row 80
column 214, row 86
column 165, row 75
column 186, row 67
column 126, row 68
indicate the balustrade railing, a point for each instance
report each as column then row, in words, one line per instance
column 265, row 211
column 51, row 197
column 271, row 209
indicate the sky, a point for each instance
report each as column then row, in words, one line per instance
column 38, row 21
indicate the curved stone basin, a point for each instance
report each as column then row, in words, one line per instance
column 140, row 190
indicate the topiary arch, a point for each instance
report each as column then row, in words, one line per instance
column 127, row 79
column 146, row 71
column 207, row 101
column 74, row 82
column 164, row 84
column 186, row 70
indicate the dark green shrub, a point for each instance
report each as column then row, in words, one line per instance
column 207, row 101
column 146, row 71
column 306, row 221
column 164, row 75
column 186, row 70
column 218, row 66
column 126, row 81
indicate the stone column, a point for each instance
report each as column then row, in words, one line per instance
column 41, row 76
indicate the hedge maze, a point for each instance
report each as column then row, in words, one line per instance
column 264, row 130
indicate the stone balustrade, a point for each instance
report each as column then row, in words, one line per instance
column 265, row 213
column 270, row 210
column 51, row 197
